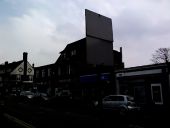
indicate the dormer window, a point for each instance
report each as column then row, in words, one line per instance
column 64, row 55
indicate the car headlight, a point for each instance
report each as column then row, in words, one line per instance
column 96, row 103
column 130, row 107
column 30, row 96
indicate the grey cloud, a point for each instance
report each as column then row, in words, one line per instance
column 138, row 27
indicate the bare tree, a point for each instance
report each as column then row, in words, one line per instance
column 162, row 55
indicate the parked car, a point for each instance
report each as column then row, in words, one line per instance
column 44, row 96
column 123, row 104
column 27, row 94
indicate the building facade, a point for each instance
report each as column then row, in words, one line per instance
column 44, row 78
column 149, row 84
column 16, row 76
column 75, row 73
column 85, row 68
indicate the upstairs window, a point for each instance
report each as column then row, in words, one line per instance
column 43, row 73
column 59, row 71
column 49, row 72
column 18, row 78
column 30, row 78
column 73, row 52
column 37, row 74
column 64, row 55
column 69, row 69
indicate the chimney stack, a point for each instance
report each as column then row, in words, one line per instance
column 6, row 63
column 121, row 52
column 25, row 54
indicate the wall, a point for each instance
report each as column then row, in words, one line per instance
column 99, row 52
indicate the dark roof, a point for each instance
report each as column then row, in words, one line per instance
column 70, row 47
column 144, row 67
column 11, row 66
column 115, row 51
column 44, row 66
column 74, row 44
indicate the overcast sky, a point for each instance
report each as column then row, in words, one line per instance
column 44, row 27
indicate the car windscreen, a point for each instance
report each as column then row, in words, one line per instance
column 130, row 99
column 114, row 98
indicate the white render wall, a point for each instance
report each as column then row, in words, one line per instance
column 20, row 70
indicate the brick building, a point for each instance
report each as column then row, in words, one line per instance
column 85, row 65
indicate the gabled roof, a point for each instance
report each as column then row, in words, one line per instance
column 10, row 66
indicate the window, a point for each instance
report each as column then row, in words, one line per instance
column 130, row 98
column 117, row 98
column 69, row 69
column 73, row 52
column 114, row 98
column 43, row 73
column 37, row 74
column 156, row 91
column 18, row 77
column 49, row 72
column 30, row 78
column 59, row 71
column 64, row 55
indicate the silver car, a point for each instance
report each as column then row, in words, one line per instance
column 27, row 94
column 120, row 103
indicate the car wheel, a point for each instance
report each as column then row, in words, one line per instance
column 123, row 112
